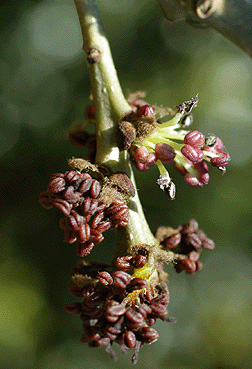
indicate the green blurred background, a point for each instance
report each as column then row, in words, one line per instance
column 44, row 89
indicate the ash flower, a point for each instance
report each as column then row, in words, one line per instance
column 164, row 143
column 90, row 207
column 187, row 242
column 120, row 305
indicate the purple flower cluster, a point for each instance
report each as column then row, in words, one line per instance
column 151, row 142
column 86, row 216
column 187, row 242
column 196, row 149
column 118, row 307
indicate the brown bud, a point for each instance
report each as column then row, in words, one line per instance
column 199, row 265
column 62, row 205
column 71, row 195
column 56, row 185
column 173, row 241
column 95, row 189
column 83, row 234
column 139, row 261
column 149, row 335
column 71, row 176
column 162, row 299
column 134, row 316
column 195, row 139
column 194, row 256
column 220, row 161
column 144, row 309
column 115, row 308
column 121, row 279
column 93, row 55
column 118, row 213
column 86, row 183
column 84, row 249
column 158, row 310
column 126, row 135
column 151, row 321
column 208, row 244
column 194, row 240
column 105, row 278
column 104, row 226
column 97, row 219
column 44, row 200
column 192, row 153
column 130, row 339
column 121, row 213
column 95, row 236
column 123, row 181
column 89, row 206
column 75, row 220
column 124, row 262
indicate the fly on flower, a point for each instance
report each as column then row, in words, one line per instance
column 169, row 142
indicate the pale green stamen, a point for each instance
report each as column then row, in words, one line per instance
column 163, row 171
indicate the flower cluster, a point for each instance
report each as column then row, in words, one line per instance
column 122, row 301
column 187, row 242
column 87, row 216
column 151, row 142
column 120, row 305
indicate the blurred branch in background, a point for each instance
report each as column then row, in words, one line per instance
column 232, row 18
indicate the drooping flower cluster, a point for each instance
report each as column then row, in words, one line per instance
column 87, row 215
column 122, row 301
column 187, row 242
column 120, row 305
column 151, row 142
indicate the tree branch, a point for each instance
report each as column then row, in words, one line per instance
column 110, row 106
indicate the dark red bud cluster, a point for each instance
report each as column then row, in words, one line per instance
column 143, row 159
column 187, row 241
column 138, row 123
column 196, row 143
column 196, row 148
column 136, row 100
column 86, row 216
column 107, row 316
column 127, row 262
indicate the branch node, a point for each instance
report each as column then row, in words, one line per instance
column 93, row 55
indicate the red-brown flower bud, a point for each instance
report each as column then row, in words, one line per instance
column 221, row 160
column 141, row 154
column 149, row 334
column 164, row 152
column 195, row 139
column 192, row 153
column 105, row 278
column 145, row 111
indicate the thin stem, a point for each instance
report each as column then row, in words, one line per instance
column 110, row 106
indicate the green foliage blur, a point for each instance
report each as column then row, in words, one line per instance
column 44, row 89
